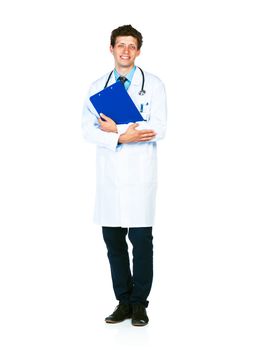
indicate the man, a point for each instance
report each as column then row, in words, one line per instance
column 126, row 175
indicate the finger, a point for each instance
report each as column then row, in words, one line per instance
column 149, row 138
column 147, row 134
column 103, row 116
column 147, row 131
column 134, row 125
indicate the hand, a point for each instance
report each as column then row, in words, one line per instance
column 133, row 135
column 107, row 124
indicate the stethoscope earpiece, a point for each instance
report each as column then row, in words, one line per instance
column 142, row 92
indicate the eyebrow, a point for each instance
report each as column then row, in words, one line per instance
column 122, row 42
column 134, row 46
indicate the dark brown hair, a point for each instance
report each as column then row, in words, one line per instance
column 126, row 30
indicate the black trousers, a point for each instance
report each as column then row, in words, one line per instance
column 130, row 287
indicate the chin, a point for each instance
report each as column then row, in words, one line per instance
column 125, row 64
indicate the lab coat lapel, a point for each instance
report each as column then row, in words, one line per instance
column 112, row 79
column 135, row 83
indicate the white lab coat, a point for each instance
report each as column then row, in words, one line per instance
column 126, row 174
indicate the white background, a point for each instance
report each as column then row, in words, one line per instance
column 55, row 279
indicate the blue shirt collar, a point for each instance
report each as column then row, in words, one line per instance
column 129, row 76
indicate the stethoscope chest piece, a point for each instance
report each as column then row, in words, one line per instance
column 142, row 92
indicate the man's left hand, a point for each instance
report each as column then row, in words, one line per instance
column 107, row 124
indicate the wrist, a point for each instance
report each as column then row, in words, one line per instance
column 122, row 138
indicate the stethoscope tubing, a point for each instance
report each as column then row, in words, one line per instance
column 141, row 92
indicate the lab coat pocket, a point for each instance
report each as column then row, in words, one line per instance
column 145, row 110
column 145, row 116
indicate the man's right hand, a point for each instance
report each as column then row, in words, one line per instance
column 133, row 135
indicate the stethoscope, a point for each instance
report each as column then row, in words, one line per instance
column 141, row 92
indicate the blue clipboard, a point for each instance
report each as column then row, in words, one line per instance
column 115, row 103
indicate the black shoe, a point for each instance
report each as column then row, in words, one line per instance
column 139, row 315
column 121, row 313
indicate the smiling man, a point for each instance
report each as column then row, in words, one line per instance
column 126, row 175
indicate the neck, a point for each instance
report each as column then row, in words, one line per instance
column 123, row 70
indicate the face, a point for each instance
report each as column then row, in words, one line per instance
column 125, row 51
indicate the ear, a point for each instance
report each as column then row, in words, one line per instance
column 138, row 53
column 111, row 49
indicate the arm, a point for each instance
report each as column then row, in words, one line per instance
column 130, row 134
column 133, row 135
column 108, row 134
column 105, row 133
column 92, row 131
column 152, row 130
